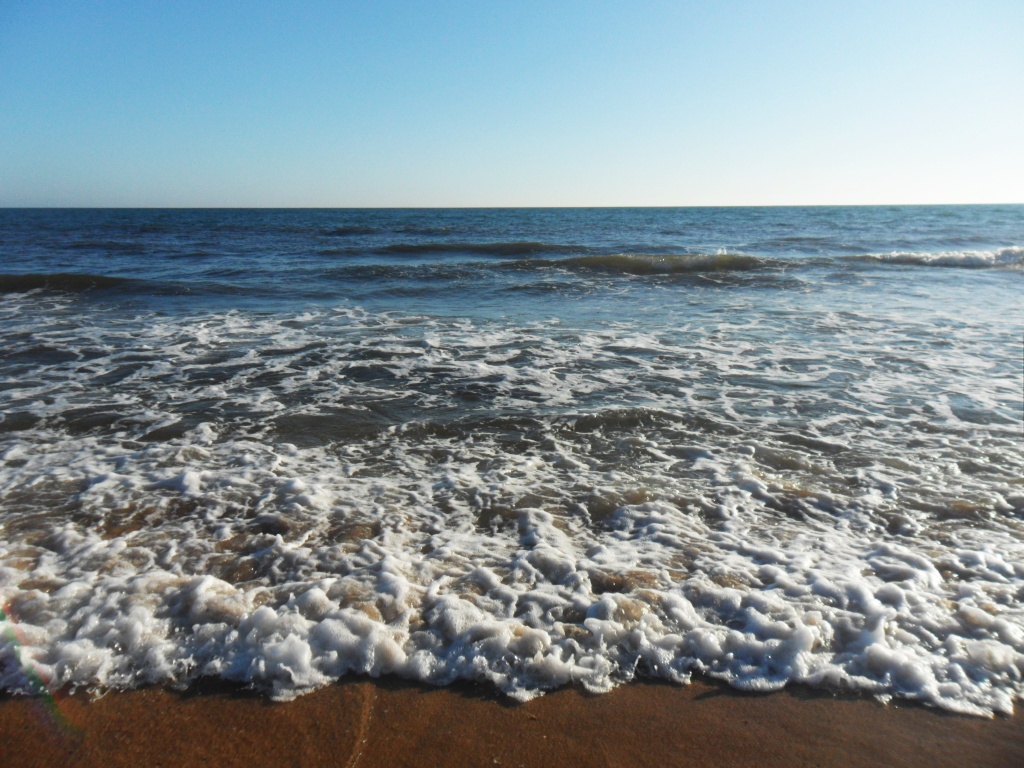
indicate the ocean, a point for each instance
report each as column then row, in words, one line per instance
column 527, row 447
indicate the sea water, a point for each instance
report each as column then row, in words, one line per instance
column 529, row 447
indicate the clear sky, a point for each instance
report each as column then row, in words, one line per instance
column 488, row 103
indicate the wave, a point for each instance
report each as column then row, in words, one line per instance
column 67, row 282
column 511, row 249
column 127, row 286
column 330, row 273
column 610, row 264
column 1012, row 256
column 655, row 264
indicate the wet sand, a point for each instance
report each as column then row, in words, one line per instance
column 389, row 723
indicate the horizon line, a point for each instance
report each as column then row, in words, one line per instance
column 475, row 207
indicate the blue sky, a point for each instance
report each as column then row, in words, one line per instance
column 510, row 103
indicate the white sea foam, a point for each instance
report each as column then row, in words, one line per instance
column 285, row 500
column 1010, row 257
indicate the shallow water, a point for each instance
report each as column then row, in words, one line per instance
column 530, row 447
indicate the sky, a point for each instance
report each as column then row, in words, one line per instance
column 487, row 103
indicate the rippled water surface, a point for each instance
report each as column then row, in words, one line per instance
column 534, row 447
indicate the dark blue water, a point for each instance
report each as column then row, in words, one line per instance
column 473, row 261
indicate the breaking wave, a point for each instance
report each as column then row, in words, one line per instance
column 668, row 264
column 1011, row 257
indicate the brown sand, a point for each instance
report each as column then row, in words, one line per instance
column 388, row 723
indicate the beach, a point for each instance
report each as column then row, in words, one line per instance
column 391, row 723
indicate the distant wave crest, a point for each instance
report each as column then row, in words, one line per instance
column 654, row 264
column 1010, row 257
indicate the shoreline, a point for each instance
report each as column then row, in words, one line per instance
column 389, row 722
